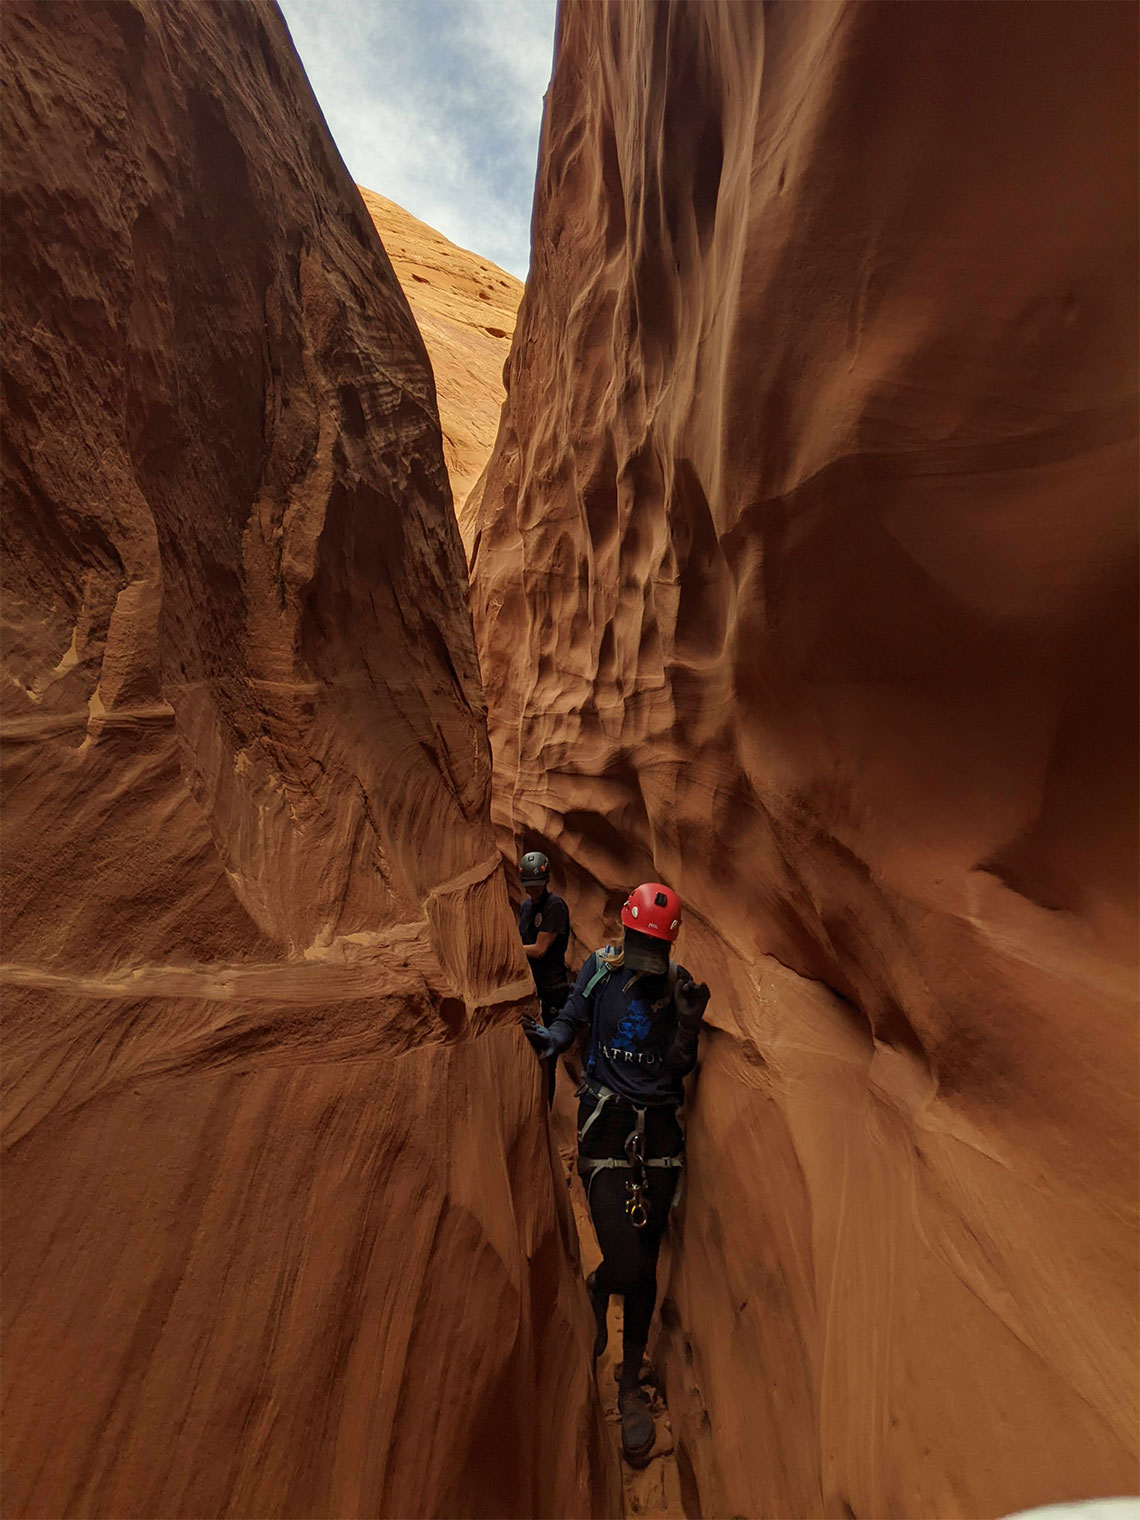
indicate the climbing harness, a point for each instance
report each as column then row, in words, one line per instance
column 635, row 1159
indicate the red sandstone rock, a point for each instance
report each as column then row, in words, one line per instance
column 465, row 308
column 804, row 579
column 281, row 1234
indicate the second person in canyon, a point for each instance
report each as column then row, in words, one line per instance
column 544, row 924
column 643, row 1013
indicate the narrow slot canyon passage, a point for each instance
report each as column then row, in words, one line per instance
column 773, row 543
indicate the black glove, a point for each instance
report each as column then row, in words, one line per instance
column 691, row 998
column 540, row 1038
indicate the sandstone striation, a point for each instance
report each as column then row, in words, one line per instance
column 804, row 579
column 465, row 308
column 281, row 1230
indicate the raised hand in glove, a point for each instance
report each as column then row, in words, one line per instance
column 540, row 1038
column 691, row 998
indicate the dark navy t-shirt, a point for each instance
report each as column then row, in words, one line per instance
column 549, row 915
column 632, row 1021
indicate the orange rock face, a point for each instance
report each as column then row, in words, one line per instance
column 804, row 579
column 281, row 1235
column 465, row 308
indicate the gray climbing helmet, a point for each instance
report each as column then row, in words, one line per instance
column 534, row 868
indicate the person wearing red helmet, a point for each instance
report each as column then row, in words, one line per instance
column 643, row 1012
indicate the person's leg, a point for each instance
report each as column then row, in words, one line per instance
column 637, row 1430
column 641, row 1293
column 629, row 1255
column 639, row 1271
column 621, row 1264
column 600, row 1304
column 630, row 1259
column 605, row 1195
column 640, row 1301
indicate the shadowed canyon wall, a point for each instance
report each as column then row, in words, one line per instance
column 804, row 579
column 280, row 1230
column 465, row 308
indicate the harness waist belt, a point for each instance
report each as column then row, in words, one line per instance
column 606, row 1095
column 592, row 1164
column 634, row 1158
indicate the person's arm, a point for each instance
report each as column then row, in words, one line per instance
column 541, row 945
column 691, row 999
column 576, row 1011
column 555, row 921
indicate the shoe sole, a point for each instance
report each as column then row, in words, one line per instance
column 640, row 1457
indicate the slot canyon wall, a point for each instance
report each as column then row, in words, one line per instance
column 804, row 579
column 281, row 1235
column 465, row 308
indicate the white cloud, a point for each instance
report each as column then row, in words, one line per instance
column 436, row 104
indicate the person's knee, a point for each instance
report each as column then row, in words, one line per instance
column 636, row 1268
column 630, row 1255
column 624, row 1264
column 624, row 1270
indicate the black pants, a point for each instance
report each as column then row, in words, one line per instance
column 553, row 1000
column 629, row 1255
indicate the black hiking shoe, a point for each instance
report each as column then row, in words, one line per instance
column 600, row 1303
column 638, row 1435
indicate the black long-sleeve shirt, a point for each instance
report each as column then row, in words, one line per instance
column 636, row 1046
column 549, row 913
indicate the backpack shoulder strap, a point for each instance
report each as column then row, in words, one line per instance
column 599, row 975
column 599, row 979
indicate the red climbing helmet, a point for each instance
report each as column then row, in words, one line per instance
column 654, row 910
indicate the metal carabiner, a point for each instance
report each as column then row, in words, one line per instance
column 637, row 1187
column 635, row 1205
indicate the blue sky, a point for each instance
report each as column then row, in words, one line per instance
column 437, row 105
